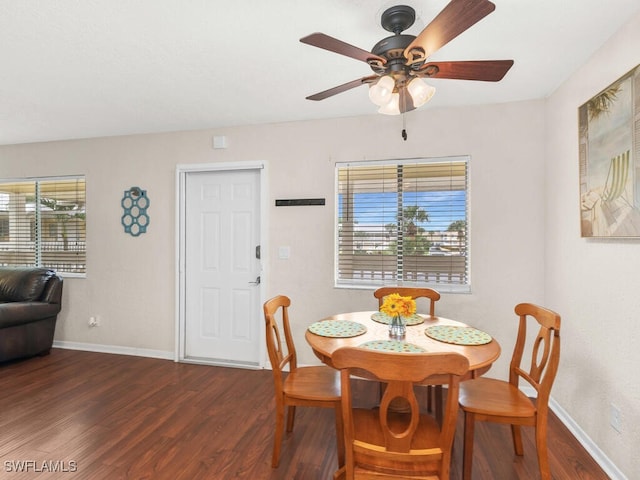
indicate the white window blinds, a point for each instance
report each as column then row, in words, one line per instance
column 402, row 222
column 43, row 223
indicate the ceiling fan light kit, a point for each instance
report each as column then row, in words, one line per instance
column 399, row 62
column 420, row 91
column 381, row 91
column 385, row 93
column 392, row 107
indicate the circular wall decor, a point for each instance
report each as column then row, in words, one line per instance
column 135, row 203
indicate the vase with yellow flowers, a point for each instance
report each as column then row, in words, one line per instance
column 398, row 308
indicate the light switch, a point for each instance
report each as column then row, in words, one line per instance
column 283, row 252
column 219, row 141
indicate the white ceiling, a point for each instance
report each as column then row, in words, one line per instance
column 88, row 68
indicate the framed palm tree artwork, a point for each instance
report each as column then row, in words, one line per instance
column 609, row 153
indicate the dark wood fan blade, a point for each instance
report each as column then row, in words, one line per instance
column 326, row 42
column 342, row 88
column 483, row 70
column 454, row 19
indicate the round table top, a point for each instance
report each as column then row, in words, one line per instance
column 480, row 357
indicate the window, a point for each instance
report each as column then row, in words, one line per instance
column 403, row 222
column 43, row 223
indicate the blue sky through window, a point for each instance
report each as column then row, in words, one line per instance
column 379, row 209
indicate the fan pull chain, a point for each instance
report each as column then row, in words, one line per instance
column 404, row 128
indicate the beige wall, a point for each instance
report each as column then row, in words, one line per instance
column 524, row 209
column 593, row 283
column 130, row 281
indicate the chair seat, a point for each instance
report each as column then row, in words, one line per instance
column 488, row 396
column 366, row 425
column 367, row 431
column 313, row 383
column 362, row 474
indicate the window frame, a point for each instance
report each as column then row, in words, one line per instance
column 43, row 225
column 463, row 285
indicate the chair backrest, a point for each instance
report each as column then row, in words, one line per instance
column 404, row 443
column 545, row 351
column 412, row 292
column 280, row 355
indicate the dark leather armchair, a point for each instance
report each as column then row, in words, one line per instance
column 30, row 300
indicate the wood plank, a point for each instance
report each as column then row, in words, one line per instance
column 122, row 417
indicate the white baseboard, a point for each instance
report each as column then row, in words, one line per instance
column 118, row 350
column 589, row 445
column 598, row 455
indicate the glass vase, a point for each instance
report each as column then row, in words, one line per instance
column 397, row 328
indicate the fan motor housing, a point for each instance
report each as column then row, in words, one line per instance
column 392, row 48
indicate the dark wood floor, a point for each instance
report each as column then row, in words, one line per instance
column 82, row 415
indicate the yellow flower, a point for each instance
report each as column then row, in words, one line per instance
column 395, row 305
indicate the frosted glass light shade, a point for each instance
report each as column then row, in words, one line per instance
column 420, row 91
column 392, row 107
column 380, row 92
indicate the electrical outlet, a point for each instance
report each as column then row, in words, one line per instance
column 616, row 418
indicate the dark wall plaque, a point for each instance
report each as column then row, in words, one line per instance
column 297, row 202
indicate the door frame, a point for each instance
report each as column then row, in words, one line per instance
column 182, row 171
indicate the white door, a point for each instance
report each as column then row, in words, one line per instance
column 222, row 267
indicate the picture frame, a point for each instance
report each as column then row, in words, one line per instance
column 609, row 157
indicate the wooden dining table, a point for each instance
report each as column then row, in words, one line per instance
column 481, row 356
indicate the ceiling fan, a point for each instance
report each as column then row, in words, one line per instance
column 400, row 62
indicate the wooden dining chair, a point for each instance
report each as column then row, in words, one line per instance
column 314, row 386
column 413, row 292
column 434, row 393
column 491, row 400
column 387, row 443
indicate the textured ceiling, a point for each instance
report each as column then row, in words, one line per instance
column 77, row 69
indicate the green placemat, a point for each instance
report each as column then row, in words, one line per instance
column 393, row 346
column 458, row 335
column 337, row 328
column 382, row 317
